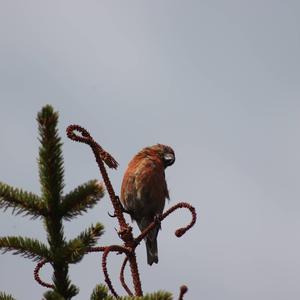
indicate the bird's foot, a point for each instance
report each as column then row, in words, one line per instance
column 122, row 208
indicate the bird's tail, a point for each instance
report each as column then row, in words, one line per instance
column 151, row 241
column 152, row 255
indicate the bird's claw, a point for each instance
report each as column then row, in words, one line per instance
column 122, row 207
column 111, row 215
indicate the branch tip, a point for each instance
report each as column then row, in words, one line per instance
column 183, row 290
column 37, row 275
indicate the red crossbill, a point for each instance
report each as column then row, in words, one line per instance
column 144, row 191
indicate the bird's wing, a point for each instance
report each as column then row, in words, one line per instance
column 151, row 185
column 144, row 187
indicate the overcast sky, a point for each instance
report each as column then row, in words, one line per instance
column 219, row 81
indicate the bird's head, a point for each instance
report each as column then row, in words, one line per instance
column 166, row 153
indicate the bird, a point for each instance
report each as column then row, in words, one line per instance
column 144, row 191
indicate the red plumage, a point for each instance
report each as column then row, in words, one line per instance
column 144, row 190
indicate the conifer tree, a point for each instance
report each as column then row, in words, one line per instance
column 53, row 208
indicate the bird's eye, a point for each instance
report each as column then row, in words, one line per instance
column 169, row 159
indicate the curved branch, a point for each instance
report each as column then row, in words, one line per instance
column 122, row 279
column 96, row 249
column 86, row 138
column 125, row 233
column 106, row 276
column 100, row 156
column 179, row 232
column 114, row 248
column 183, row 290
column 37, row 276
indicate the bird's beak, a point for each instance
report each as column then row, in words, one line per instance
column 169, row 159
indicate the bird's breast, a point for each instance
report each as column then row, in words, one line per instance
column 144, row 187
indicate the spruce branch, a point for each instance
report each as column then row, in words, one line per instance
column 100, row 292
column 62, row 283
column 21, row 202
column 81, row 199
column 77, row 247
column 27, row 247
column 51, row 295
column 50, row 160
column 160, row 295
column 4, row 296
column 51, row 173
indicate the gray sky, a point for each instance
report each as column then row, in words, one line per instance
column 217, row 80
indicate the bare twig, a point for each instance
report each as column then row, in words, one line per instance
column 183, row 290
column 96, row 249
column 125, row 231
column 179, row 232
column 37, row 276
column 114, row 248
column 100, row 156
column 122, row 279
